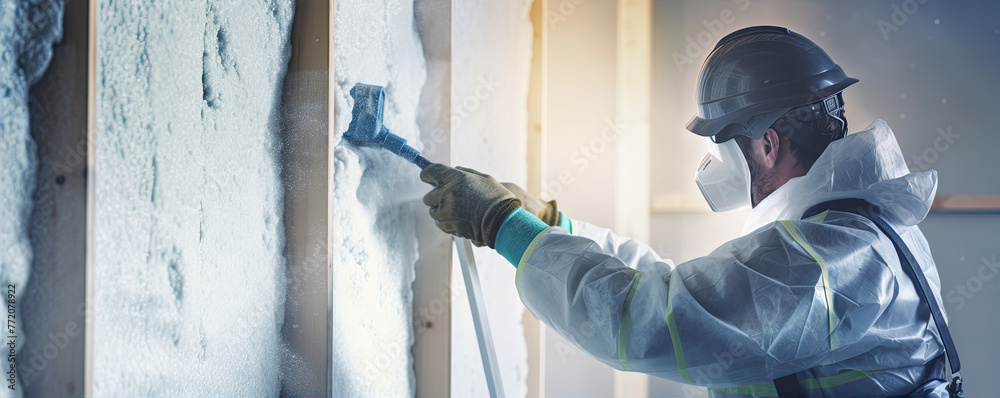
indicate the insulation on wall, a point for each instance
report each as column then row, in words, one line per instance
column 492, row 41
column 376, row 200
column 189, row 272
column 27, row 33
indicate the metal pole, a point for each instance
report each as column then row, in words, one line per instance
column 478, row 306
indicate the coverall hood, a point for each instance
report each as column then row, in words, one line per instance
column 865, row 165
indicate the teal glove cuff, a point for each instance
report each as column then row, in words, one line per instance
column 565, row 223
column 516, row 234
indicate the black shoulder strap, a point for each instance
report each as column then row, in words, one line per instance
column 911, row 268
column 788, row 387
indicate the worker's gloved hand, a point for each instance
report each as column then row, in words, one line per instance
column 545, row 211
column 467, row 203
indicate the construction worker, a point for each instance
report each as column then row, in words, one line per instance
column 831, row 291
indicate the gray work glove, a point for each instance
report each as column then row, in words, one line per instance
column 467, row 203
column 545, row 211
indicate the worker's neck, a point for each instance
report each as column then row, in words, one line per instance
column 784, row 171
column 784, row 174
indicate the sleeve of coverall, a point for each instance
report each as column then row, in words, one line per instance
column 630, row 251
column 758, row 308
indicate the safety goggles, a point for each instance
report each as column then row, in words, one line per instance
column 826, row 116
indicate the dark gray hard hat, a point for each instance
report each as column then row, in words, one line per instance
column 755, row 75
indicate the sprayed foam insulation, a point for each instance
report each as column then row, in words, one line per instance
column 189, row 278
column 190, row 273
column 28, row 29
column 376, row 200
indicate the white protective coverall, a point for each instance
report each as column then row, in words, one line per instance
column 824, row 298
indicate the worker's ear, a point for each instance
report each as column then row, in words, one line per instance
column 770, row 147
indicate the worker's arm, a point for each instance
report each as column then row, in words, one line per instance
column 630, row 251
column 787, row 297
column 758, row 308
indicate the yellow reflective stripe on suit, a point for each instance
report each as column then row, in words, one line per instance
column 828, row 293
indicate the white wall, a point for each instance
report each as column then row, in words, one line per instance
column 491, row 55
column 580, row 163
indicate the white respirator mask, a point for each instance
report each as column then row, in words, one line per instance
column 724, row 177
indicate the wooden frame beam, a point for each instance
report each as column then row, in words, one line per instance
column 692, row 202
column 634, row 65
column 534, row 330
column 88, row 364
column 633, row 103
column 678, row 202
column 331, row 168
column 307, row 164
column 52, row 361
column 966, row 204
column 538, row 97
column 432, row 290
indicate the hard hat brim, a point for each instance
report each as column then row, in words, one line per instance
column 755, row 119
